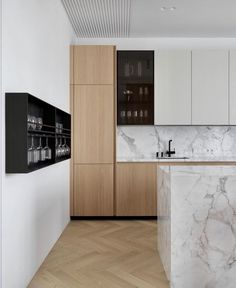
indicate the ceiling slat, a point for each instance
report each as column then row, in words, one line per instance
column 99, row 18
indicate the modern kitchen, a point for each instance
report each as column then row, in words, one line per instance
column 118, row 144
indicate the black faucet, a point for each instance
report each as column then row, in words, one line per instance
column 170, row 152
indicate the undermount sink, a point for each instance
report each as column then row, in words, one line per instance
column 172, row 158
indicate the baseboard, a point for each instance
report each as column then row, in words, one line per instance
column 100, row 218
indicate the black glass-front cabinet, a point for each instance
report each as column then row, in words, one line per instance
column 135, row 87
column 37, row 133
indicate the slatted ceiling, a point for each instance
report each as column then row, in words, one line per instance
column 99, row 18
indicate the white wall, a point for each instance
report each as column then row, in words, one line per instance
column 36, row 39
column 162, row 43
column 0, row 142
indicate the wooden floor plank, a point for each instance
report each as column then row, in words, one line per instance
column 104, row 254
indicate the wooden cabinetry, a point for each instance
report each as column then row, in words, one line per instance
column 209, row 87
column 136, row 189
column 93, row 122
column 93, row 188
column 93, row 65
column 173, row 87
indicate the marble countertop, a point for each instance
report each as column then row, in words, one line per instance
column 207, row 159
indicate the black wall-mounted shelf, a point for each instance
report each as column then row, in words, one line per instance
column 32, row 128
column 135, row 87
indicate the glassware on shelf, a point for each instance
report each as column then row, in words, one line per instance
column 135, row 116
column 122, row 116
column 59, row 127
column 140, row 69
column 41, row 150
column 129, row 94
column 47, row 151
column 29, row 121
column 140, row 93
column 33, row 122
column 30, row 153
column 141, row 115
column 129, row 116
column 145, row 114
column 66, row 148
column 129, row 69
column 39, row 123
column 146, row 93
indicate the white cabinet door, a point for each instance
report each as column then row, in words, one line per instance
column 232, row 99
column 210, row 87
column 172, row 87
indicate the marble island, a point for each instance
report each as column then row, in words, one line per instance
column 197, row 225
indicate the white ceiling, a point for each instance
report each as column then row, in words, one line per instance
column 144, row 18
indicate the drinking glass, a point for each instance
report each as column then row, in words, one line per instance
column 47, row 151
column 135, row 116
column 122, row 115
column 146, row 93
column 129, row 115
column 57, row 127
column 140, row 93
column 33, row 122
column 60, row 127
column 139, row 69
column 39, row 124
column 141, row 115
column 29, row 121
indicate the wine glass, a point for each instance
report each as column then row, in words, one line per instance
column 30, row 155
column 47, row 151
column 34, row 154
column 41, row 150
column 66, row 148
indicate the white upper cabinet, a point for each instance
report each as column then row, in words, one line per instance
column 210, row 87
column 172, row 87
column 232, row 99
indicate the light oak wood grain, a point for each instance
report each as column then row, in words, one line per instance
column 104, row 254
column 72, row 153
column 71, row 65
column 93, row 190
column 136, row 189
column 94, row 64
column 93, row 118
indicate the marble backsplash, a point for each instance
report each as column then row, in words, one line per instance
column 142, row 142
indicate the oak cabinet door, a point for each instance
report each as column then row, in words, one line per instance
column 173, row 87
column 136, row 189
column 93, row 124
column 93, row 64
column 210, row 87
column 93, row 190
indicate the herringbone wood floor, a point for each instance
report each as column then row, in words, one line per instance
column 104, row 254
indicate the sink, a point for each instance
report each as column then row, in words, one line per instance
column 172, row 158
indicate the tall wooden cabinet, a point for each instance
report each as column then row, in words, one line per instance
column 92, row 108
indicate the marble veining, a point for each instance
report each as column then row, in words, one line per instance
column 202, row 236
column 142, row 142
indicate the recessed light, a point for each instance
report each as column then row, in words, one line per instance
column 164, row 8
